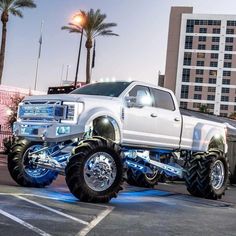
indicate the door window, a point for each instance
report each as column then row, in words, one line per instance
column 142, row 95
column 163, row 99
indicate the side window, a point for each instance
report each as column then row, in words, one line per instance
column 163, row 100
column 142, row 95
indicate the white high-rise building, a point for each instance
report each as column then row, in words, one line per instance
column 201, row 60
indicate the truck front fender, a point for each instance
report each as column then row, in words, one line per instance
column 87, row 120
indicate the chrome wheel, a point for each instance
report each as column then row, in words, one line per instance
column 218, row 175
column 29, row 168
column 100, row 171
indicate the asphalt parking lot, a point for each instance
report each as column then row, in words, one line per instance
column 166, row 210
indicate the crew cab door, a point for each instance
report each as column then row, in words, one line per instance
column 168, row 119
column 139, row 121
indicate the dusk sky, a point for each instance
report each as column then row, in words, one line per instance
column 138, row 53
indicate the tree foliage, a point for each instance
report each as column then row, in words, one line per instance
column 203, row 108
column 13, row 7
column 13, row 109
column 93, row 25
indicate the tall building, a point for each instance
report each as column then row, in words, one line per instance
column 201, row 60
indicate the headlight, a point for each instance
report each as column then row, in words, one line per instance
column 74, row 109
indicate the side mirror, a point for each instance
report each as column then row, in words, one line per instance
column 130, row 101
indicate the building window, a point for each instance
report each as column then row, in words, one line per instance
column 197, row 96
column 200, row 63
column 228, row 48
column 225, row 90
column 184, row 91
column 200, row 55
column 214, row 47
column 184, row 105
column 227, row 64
column 215, row 39
column 214, row 55
column 189, row 29
column 231, row 23
column 190, row 26
column 202, row 38
column 203, row 30
column 186, row 75
column 224, row 107
column 212, row 81
column 226, row 73
column 211, row 89
column 234, row 108
column 229, row 31
column 188, row 42
column 187, row 58
column 223, row 114
column 229, row 40
column 213, row 72
column 228, row 56
column 199, row 72
column 210, row 106
column 226, row 81
column 201, row 46
column 213, row 64
column 211, row 97
column 198, row 80
column 216, row 30
column 205, row 22
column 196, row 105
column 224, row 98
column 198, row 88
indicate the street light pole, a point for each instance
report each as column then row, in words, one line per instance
column 67, row 71
column 77, row 67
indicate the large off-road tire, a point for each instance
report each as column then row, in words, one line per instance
column 207, row 174
column 24, row 173
column 95, row 172
column 137, row 178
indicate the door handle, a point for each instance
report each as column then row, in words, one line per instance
column 153, row 115
column 177, row 119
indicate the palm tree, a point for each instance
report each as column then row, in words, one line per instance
column 203, row 108
column 10, row 7
column 93, row 27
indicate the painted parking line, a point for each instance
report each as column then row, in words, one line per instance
column 25, row 224
column 95, row 222
column 52, row 210
column 83, row 232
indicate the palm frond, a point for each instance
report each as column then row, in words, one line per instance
column 5, row 4
column 16, row 12
column 71, row 29
column 105, row 33
column 105, row 26
column 23, row 4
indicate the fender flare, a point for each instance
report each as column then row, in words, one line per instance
column 216, row 139
column 95, row 113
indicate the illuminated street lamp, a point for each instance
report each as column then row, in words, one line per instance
column 79, row 20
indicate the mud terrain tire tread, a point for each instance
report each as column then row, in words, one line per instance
column 16, row 167
column 75, row 167
column 198, row 174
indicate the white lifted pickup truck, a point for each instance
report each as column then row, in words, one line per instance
column 105, row 133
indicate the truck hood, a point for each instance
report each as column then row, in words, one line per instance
column 67, row 97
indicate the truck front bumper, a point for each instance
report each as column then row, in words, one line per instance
column 50, row 132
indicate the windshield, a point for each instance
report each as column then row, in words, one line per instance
column 110, row 89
